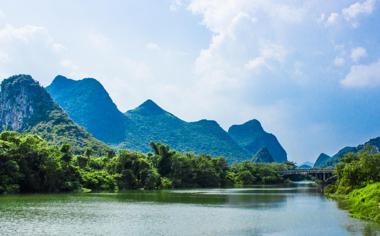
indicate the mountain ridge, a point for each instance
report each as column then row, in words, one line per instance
column 148, row 122
column 332, row 161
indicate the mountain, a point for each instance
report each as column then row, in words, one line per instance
column 205, row 136
column 89, row 105
column 25, row 106
column 373, row 144
column 252, row 137
column 263, row 156
column 321, row 160
column 305, row 165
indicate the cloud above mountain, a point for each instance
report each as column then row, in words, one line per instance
column 301, row 67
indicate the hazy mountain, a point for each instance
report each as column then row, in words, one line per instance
column 263, row 156
column 25, row 106
column 305, row 165
column 88, row 104
column 253, row 137
column 321, row 160
column 373, row 144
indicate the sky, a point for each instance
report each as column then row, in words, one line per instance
column 309, row 71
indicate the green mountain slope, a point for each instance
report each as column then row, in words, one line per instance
column 253, row 138
column 89, row 105
column 204, row 136
column 263, row 156
column 25, row 106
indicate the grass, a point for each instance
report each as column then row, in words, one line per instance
column 362, row 203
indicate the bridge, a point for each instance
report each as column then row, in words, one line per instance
column 324, row 175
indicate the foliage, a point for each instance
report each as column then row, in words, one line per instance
column 30, row 164
column 247, row 173
column 357, row 170
column 358, row 184
column 364, row 202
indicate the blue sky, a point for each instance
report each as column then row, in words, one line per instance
column 308, row 70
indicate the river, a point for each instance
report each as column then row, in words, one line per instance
column 294, row 209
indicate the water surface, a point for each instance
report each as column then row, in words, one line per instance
column 297, row 209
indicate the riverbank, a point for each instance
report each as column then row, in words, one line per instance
column 362, row 203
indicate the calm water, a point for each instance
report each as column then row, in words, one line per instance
column 283, row 210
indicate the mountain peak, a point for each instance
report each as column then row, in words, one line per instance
column 60, row 81
column 253, row 125
column 60, row 78
column 149, row 107
column 208, row 122
column 247, row 128
column 21, row 79
column 253, row 138
column 88, row 104
column 23, row 102
column 321, row 160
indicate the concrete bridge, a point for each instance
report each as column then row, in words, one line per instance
column 323, row 175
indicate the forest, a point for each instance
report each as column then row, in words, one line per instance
column 28, row 164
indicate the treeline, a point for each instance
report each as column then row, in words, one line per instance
column 358, row 184
column 29, row 164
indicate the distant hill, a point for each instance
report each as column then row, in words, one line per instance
column 252, row 137
column 205, row 136
column 321, row 160
column 327, row 161
column 263, row 156
column 305, row 165
column 89, row 105
column 25, row 106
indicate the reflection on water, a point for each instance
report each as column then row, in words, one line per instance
column 297, row 209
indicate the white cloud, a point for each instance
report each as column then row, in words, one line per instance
column 29, row 49
column 350, row 13
column 175, row 5
column 339, row 61
column 236, row 43
column 358, row 53
column 152, row 46
column 362, row 76
column 24, row 33
column 270, row 53
column 332, row 19
column 217, row 16
column 358, row 8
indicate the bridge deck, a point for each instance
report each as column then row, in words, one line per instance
column 307, row 171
